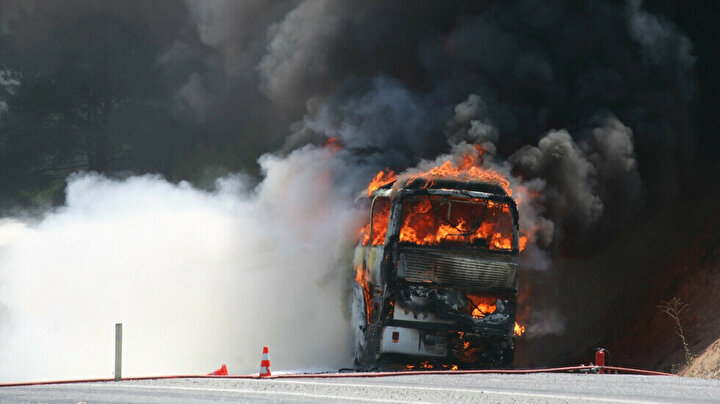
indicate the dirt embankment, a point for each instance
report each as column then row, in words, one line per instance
column 689, row 269
column 610, row 296
column 706, row 364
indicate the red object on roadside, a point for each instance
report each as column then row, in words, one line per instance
column 600, row 360
column 220, row 372
column 265, row 363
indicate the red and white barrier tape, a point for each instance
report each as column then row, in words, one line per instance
column 582, row 368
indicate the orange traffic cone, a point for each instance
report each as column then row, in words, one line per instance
column 265, row 363
column 220, row 372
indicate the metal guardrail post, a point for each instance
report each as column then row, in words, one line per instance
column 118, row 351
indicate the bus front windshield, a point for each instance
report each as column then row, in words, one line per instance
column 456, row 221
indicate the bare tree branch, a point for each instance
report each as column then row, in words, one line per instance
column 674, row 308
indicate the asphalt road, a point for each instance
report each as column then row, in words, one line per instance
column 533, row 388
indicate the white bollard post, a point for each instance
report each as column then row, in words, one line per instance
column 118, row 352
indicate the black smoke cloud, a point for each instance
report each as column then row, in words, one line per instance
column 568, row 92
column 250, row 69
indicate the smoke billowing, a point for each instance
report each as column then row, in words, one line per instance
column 583, row 107
column 197, row 278
column 386, row 77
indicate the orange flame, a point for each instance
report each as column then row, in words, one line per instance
column 362, row 278
column 426, row 222
column 426, row 365
column 382, row 178
column 380, row 218
column 519, row 329
column 422, row 228
column 333, row 143
column 523, row 240
column 482, row 305
column 469, row 169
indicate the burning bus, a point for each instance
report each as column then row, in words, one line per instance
column 437, row 275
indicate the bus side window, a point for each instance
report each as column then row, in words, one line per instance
column 379, row 220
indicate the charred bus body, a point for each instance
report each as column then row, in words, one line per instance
column 437, row 276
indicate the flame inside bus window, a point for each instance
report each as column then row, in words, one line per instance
column 442, row 220
column 380, row 216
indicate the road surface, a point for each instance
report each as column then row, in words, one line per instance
column 532, row 388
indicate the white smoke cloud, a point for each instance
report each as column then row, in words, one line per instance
column 545, row 322
column 197, row 278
